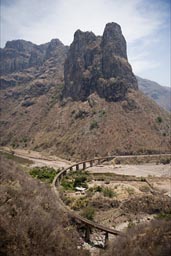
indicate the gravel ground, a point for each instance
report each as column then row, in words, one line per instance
column 142, row 170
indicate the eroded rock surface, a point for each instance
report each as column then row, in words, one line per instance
column 98, row 64
column 22, row 62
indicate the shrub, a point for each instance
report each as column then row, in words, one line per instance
column 80, row 203
column 102, row 113
column 104, row 203
column 75, row 179
column 108, row 192
column 67, row 199
column 94, row 125
column 98, row 189
column 117, row 161
column 143, row 179
column 14, row 145
column 144, row 188
column 159, row 120
column 80, row 114
column 80, row 181
column 92, row 190
column 88, row 213
column 165, row 160
column 44, row 173
column 131, row 224
column 163, row 216
column 67, row 184
column 130, row 191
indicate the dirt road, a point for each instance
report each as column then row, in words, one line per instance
column 38, row 158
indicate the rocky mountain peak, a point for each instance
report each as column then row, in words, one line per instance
column 54, row 48
column 19, row 45
column 19, row 55
column 82, row 41
column 84, row 36
column 113, row 40
column 98, row 64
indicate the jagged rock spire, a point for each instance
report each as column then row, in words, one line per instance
column 98, row 64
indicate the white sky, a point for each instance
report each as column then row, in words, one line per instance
column 145, row 25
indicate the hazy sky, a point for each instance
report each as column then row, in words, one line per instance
column 145, row 25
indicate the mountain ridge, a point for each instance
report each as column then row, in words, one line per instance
column 160, row 94
column 36, row 114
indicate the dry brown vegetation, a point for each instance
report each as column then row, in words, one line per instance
column 32, row 222
column 149, row 204
column 81, row 130
column 35, row 113
column 152, row 239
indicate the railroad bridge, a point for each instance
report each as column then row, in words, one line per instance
column 79, row 219
column 87, row 224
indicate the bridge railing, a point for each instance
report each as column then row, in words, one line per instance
column 77, row 166
column 80, row 166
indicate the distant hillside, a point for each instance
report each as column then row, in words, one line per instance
column 158, row 93
column 79, row 101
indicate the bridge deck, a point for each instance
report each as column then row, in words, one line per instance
column 96, row 225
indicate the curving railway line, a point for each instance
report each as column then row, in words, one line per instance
column 87, row 223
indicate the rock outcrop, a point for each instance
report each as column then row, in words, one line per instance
column 20, row 54
column 22, row 62
column 98, row 64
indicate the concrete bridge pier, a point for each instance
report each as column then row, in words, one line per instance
column 77, row 167
column 87, row 234
column 98, row 161
column 91, row 163
column 84, row 165
column 106, row 238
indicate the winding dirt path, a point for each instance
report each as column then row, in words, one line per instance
column 38, row 159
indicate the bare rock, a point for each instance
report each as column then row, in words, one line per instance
column 98, row 64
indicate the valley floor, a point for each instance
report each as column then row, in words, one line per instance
column 127, row 192
column 140, row 170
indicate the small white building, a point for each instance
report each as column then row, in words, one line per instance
column 81, row 189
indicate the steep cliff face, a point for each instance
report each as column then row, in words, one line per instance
column 22, row 62
column 19, row 55
column 98, row 64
